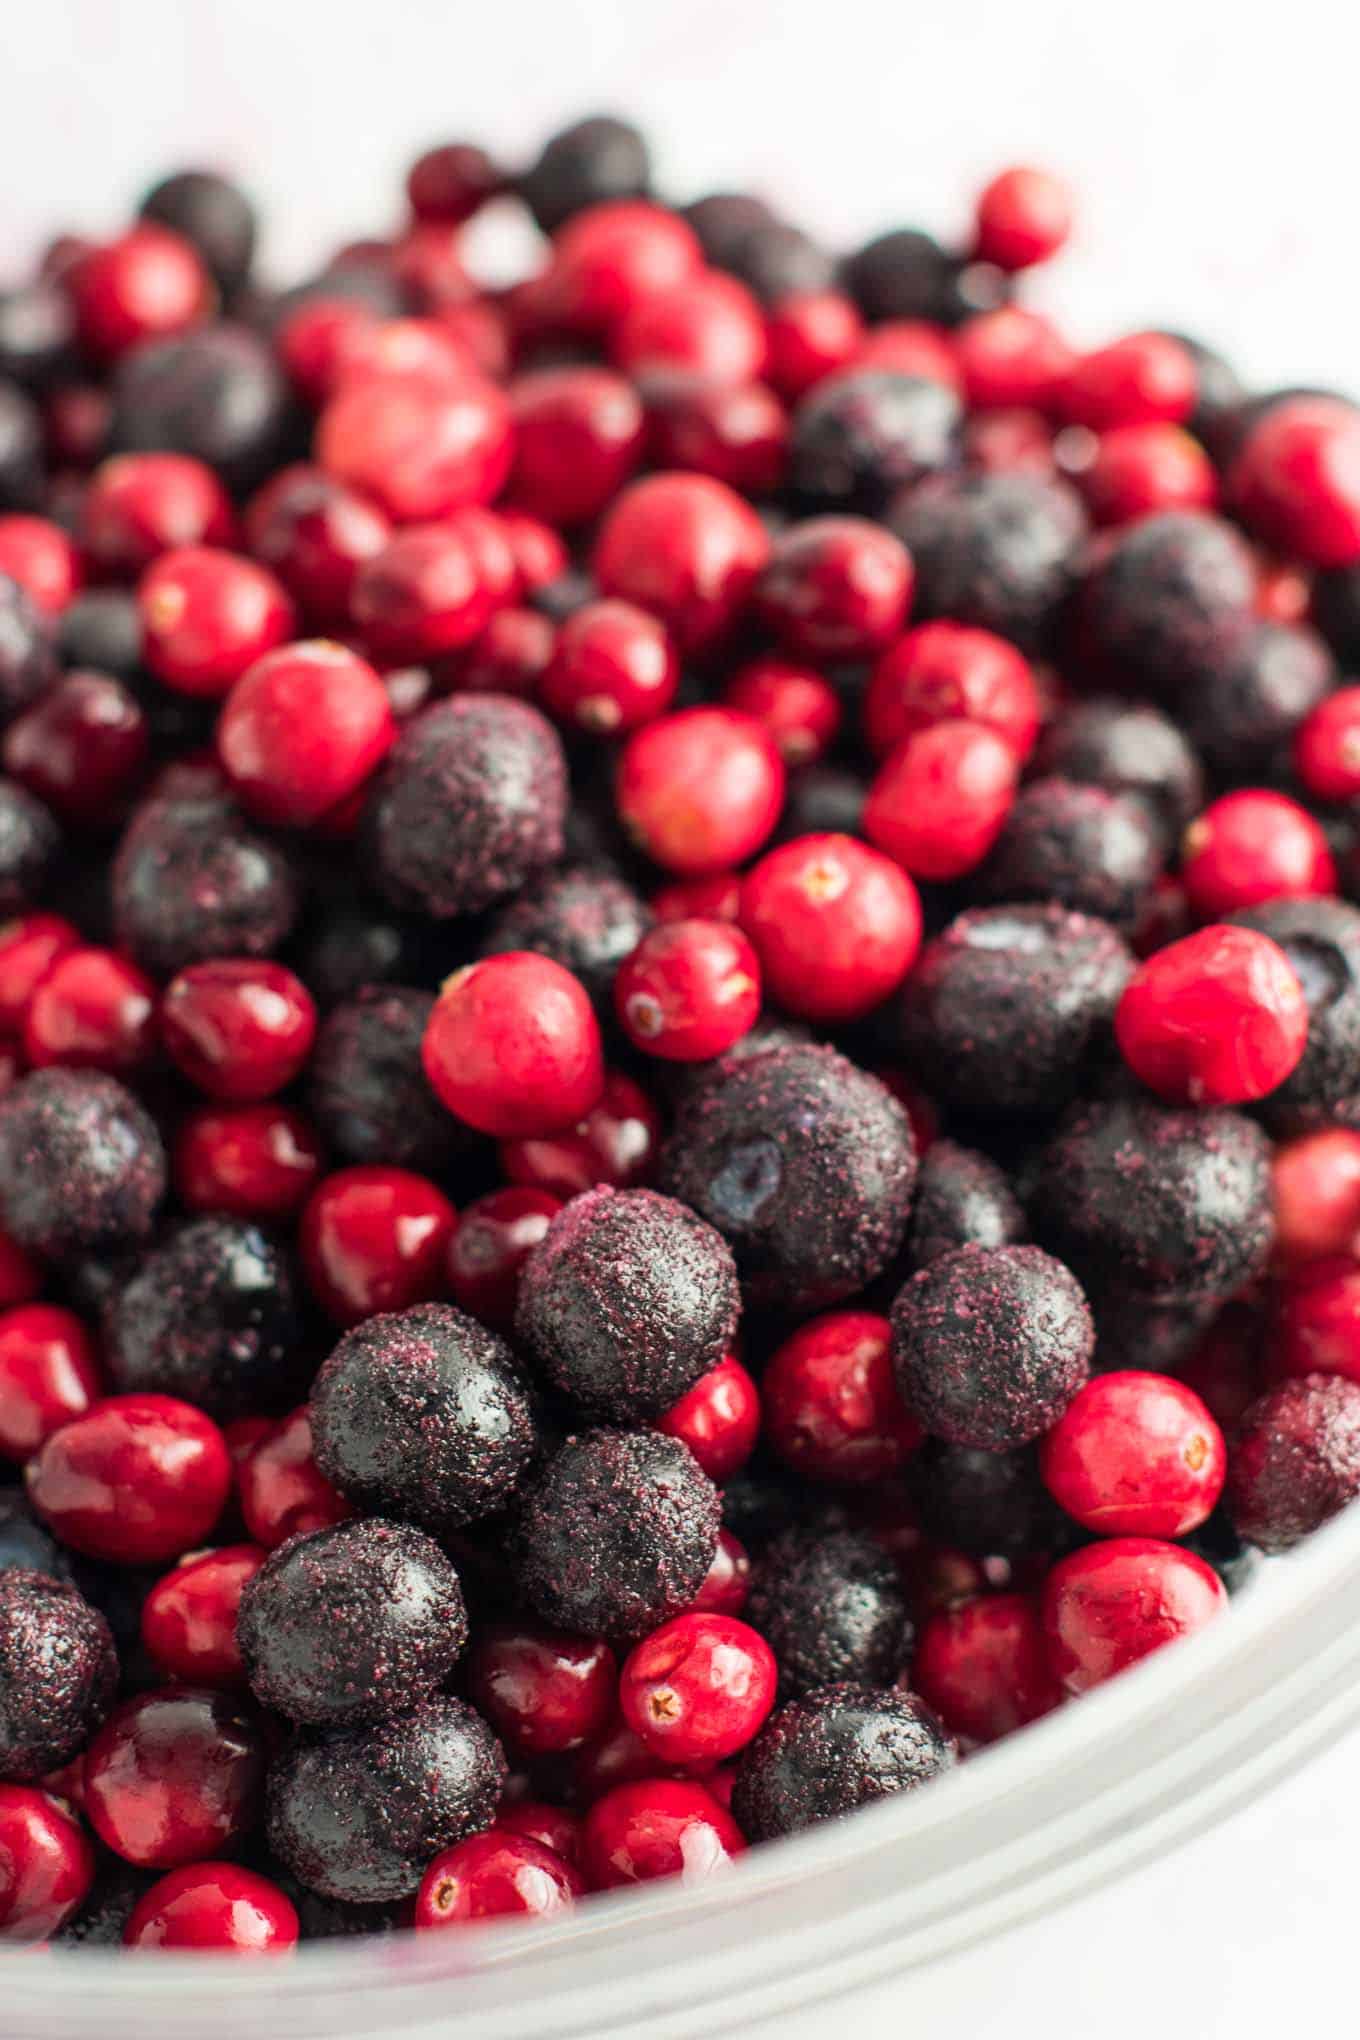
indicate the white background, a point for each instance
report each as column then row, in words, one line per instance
column 1216, row 149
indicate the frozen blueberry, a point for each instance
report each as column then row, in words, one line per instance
column 26, row 1545
column 210, row 1315
column 369, row 1094
column 21, row 449
column 1295, row 1460
column 1134, row 1331
column 593, row 160
column 830, row 1604
column 58, row 1674
column 1140, row 1197
column 192, row 879
column 81, row 1163
column 723, row 219
column 101, row 630
column 1246, row 699
column 1321, row 938
column 357, row 1813
column 777, row 260
column 990, row 1345
column 29, row 842
column 215, row 215
column 761, row 1500
column 587, row 919
column 831, row 1751
column 805, row 1163
column 1080, row 846
column 904, row 274
column 996, row 550
column 37, row 335
column 27, row 660
column 963, row 1199
column 626, row 1301
column 351, row 945
column 617, row 1534
column 1170, row 584
column 989, row 1504
column 1126, row 747
column 352, row 1623
column 218, row 395
column 468, row 806
column 423, row 1414
column 1336, row 612
column 860, row 437
column 102, row 1919
column 1010, row 1007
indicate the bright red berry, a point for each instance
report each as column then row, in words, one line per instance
column 1137, row 470
column 207, row 615
column 578, row 439
column 423, row 595
column 149, row 284
column 940, row 801
column 1144, row 379
column 513, row 1046
column 29, row 946
column 686, row 547
column 374, row 1239
column 1316, row 1328
column 49, row 1374
column 174, row 1775
column 419, row 445
column 541, row 1689
column 1315, row 1189
column 835, row 588
column 238, row 1027
column 735, row 431
column 81, row 747
column 302, row 729
column 552, row 1826
column 1218, row 1018
column 944, row 672
column 1114, row 1602
column 710, row 327
column 833, row 1411
column 1135, row 1455
column 282, row 1492
column 216, row 1909
column 689, row 990
column 728, row 1582
column 491, row 1875
column 836, row 926
column 982, row 1666
column 140, row 505
column 615, row 255
column 40, row 556
column 46, row 1864
column 657, row 1827
column 539, row 552
column 1296, row 481
column 189, row 1616
column 495, row 1236
column 1327, row 747
column 1011, row 358
column 617, row 1142
column 253, row 1161
column 510, row 656
column 315, row 533
column 698, row 1688
column 94, row 1010
column 810, row 335
column 138, row 1479
column 613, row 669
column 701, row 790
column 801, row 710
column 1252, row 846
column 1023, row 216
column 719, row 1419
column 911, row 347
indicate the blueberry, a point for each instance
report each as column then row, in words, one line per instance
column 29, row 842
column 1252, row 690
column 776, row 260
column 1097, row 852
column 1126, row 747
column 58, row 1674
column 585, row 164
column 830, row 1604
column 1295, row 1461
column 860, row 437
column 351, row 945
column 101, row 630
column 831, row 1751
column 21, row 449
column 1321, row 938
column 587, row 919
column 904, row 274
column 26, row 1545
column 218, row 395
column 369, row 1094
column 81, row 1163
column 723, row 220
column 988, row 1504
column 1169, row 586
column 215, row 215
column 999, row 551
column 27, row 659
column 37, row 335
column 192, row 879
column 963, row 1199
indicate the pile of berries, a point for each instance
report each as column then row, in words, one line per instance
column 679, row 1037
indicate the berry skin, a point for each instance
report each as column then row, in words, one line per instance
column 513, row 1046
column 1216, row 1019
column 728, row 1581
column 1023, row 217
column 29, row 843
column 375, row 1239
column 240, row 1030
column 81, row 1164
column 46, row 1865
column 553, row 1827
column 1315, row 1186
column 191, row 880
column 369, row 1094
column 139, row 505
column 491, row 1875
column 1135, row 1455
column 1321, row 939
column 283, row 1492
column 718, row 1418
column 944, row 672
column 862, row 437
column 658, row 1827
column 1295, row 1460
column 941, row 800
column 81, row 748
column 709, row 327
column 247, row 1161
column 685, row 547
column 583, row 916
column 836, row 926
column 613, row 669
column 1126, row 748
column 495, row 1236
column 1327, row 747
column 420, row 447
column 189, row 1616
column 1142, row 469
column 1296, row 480
column 998, row 551
column 833, row 1411
column 809, row 335
column 29, row 946
column 1144, row 379
column 738, row 432
column 314, row 533
column 578, row 440
column 615, row 1144
column 983, row 1667
column 696, row 1690
column 831, row 1605
column 1317, row 1321
column 137, row 1479
column 1079, row 845
column 149, row 284
column 173, row 1775
column 700, row 791
column 302, row 730
column 214, row 1908
column 207, row 615
column 1012, row 360
column 425, row 594
column 58, row 1673
column 49, row 1375
column 835, row 588
column 93, row 1010
column 42, row 559
column 1250, row 847
column 831, row 1751
column 689, row 990
column 1112, row 1603
column 962, row 1200
column 543, row 1690
column 1159, row 602
column 801, row 710
column 582, row 165
column 452, row 182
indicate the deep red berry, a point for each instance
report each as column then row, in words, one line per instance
column 315, row 533
column 835, row 588
column 424, row 594
column 1011, row 359
column 1144, row 379
column 215, row 1909
column 238, row 1027
column 943, row 672
column 207, row 615
column 686, row 547
column 614, row 256
column 1135, row 1455
column 81, row 747
column 982, row 1666
column 801, row 710
column 1316, row 1327
column 1252, row 846
column 423, row 348
column 836, row 926
column 699, row 899
column 1137, row 470
column 189, row 1616
column 1315, row 1190
column 1218, row 1018
column 174, row 1775
column 282, row 1492
column 701, row 790
column 539, row 552
column 613, row 668
column 1327, row 747
column 138, row 1479
column 657, row 1827
column 911, row 347
column 452, row 182
column 578, row 439
column 940, row 801
column 252, row 1161
column 615, row 1758
column 710, row 327
column 833, row 1411
column 94, row 1011
column 1296, row 481
column 698, row 1689
column 495, row 1236
column 513, row 1046
column 20, row 1276
column 1114, row 1602
column 542, row 1690
column 735, row 431
column 1225, row 1368
column 140, row 505
column 46, row 1864
column 1009, row 442
column 40, row 556
column 302, row 729
column 419, row 445
column 149, row 284
column 1023, row 216
column 427, row 265
column 375, row 1239
column 29, row 946
column 310, row 338
column 719, row 1419
column 492, row 1875
column 689, row 990
column 725, row 1589
column 617, row 1142
column 808, row 337
column 510, row 656
column 552, row 1826
column 49, row 1374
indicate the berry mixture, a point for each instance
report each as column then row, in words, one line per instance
column 679, row 1036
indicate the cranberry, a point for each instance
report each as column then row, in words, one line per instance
column 911, row 347
column 493, row 1874
column 1315, row 1188
column 452, row 182
column 41, row 558
column 699, row 899
column 48, row 1375
column 701, row 790
column 729, row 1578
column 513, row 1046
column 315, row 533
column 983, row 1667
column 617, row 1142
column 542, row 1690
column 658, row 1827
column 1326, row 748
column 495, row 1236
column 138, row 1478
column 252, row 1161
column 835, row 588
column 710, row 326
column 1145, row 379
column 1218, row 1018
column 553, row 1826
column 801, row 710
column 282, row 1492
column 539, row 552
column 424, row 348
column 1224, row 1370
column 942, row 798
column 836, row 926
column 189, row 1616
column 375, row 1239
column 20, row 1277
column 29, row 946
column 302, row 730
column 423, row 595
column 1009, row 442
column 719, row 1419
column 578, row 439
column 809, row 335
column 942, row 672
column 832, row 1407
column 686, row 547
column 1317, row 1321
column 140, row 505
column 736, row 431
column 1011, row 359
column 1252, row 846
column 1135, row 1455
column 81, row 747
column 309, row 340
column 46, row 1864
column 218, row 1908
column 613, row 669
column 1296, row 480
column 615, row 1758
column 699, row 1688
column 614, row 256
column 239, row 1028
column 427, row 264
column 689, row 990
column 510, row 656
column 149, row 284
column 1112, row 1603
column 207, row 615
column 94, row 1010
column 1023, row 216
column 173, row 1775
column 420, row 446
column 1137, row 470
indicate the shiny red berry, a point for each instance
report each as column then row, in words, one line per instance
column 252, row 1161
column 40, row 556
column 49, row 1374
column 1011, row 358
column 513, row 1046
column 728, row 1581
column 835, row 588
column 375, row 1239
column 1114, row 1602
column 424, row 595
column 81, row 747
column 140, row 505
column 149, row 284
column 689, row 990
column 215, row 1909
column 302, row 730
column 710, row 327
column 945, row 672
column 801, row 710
column 1218, row 1018
column 616, row 1142
column 701, row 790
column 29, row 946
column 315, row 533
column 420, row 446
column 207, row 615
column 452, row 182
column 174, row 1775
column 1135, row 1455
column 911, row 347
column 1143, row 379
column 1252, row 846
column 614, row 255
column 836, row 926
column 94, row 1010
column 510, row 656
column 687, row 548
column 718, row 1418
column 282, row 1491
column 736, row 431
column 138, row 1479
column 239, row 1028
column 1137, row 470
column 492, row 1875
column 552, row 1826
column 940, row 801
column 657, row 1827
column 810, row 335
column 1315, row 1190
column 578, row 439
column 46, row 1864
column 189, row 1616
column 698, row 1688
column 1316, row 1327
column 1296, row 481
column 1023, row 216
column 613, row 668
column 1326, row 748
column 495, row 1236
column 541, row 1689
column 833, row 1411
column 982, row 1666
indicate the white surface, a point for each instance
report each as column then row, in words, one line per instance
column 1215, row 148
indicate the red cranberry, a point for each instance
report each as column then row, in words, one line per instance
column 302, row 730
column 719, row 1419
column 710, row 326
column 189, row 1616
column 539, row 553
column 613, row 669
column 1145, row 379
column 315, row 533
column 29, row 946
column 282, row 1492
column 1326, row 748
column 253, row 1161
column 808, row 337
column 1297, row 480
column 578, row 439
column 309, row 340
column 137, row 1479
column 174, row 1775
column 49, row 1374
column 617, row 1142
column 698, row 1689
column 615, row 1758
column 1011, row 359
column 420, row 446
column 1216, row 1019
column 1023, row 216
column 46, row 1864
column 657, row 1827
column 736, row 431
column 835, row 588
column 140, row 505
column 149, row 284
column 836, row 926
column 375, row 1239
column 218, row 1908
column 942, row 798
column 943, row 672
column 95, row 1011
column 542, row 1690
column 513, row 1046
column 510, row 656
column 239, row 1028
column 728, row 1583
column 686, row 547
column 553, row 1826
column 1135, row 1455
column 493, row 1874
column 832, row 1407
column 613, row 256
column 1009, row 442
column 20, row 1277
column 701, row 790
column 911, row 347
column 81, row 747
column 1112, row 1603
column 424, row 348
column 423, row 595
column 801, row 710
column 699, row 899
column 1224, row 1370
column 427, row 264
column 689, row 990
column 1250, row 847
column 452, row 182
column 39, row 555
column 983, row 1667
column 495, row 1236
column 207, row 615
column 1315, row 1188
column 1137, row 470
column 1317, row 1321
